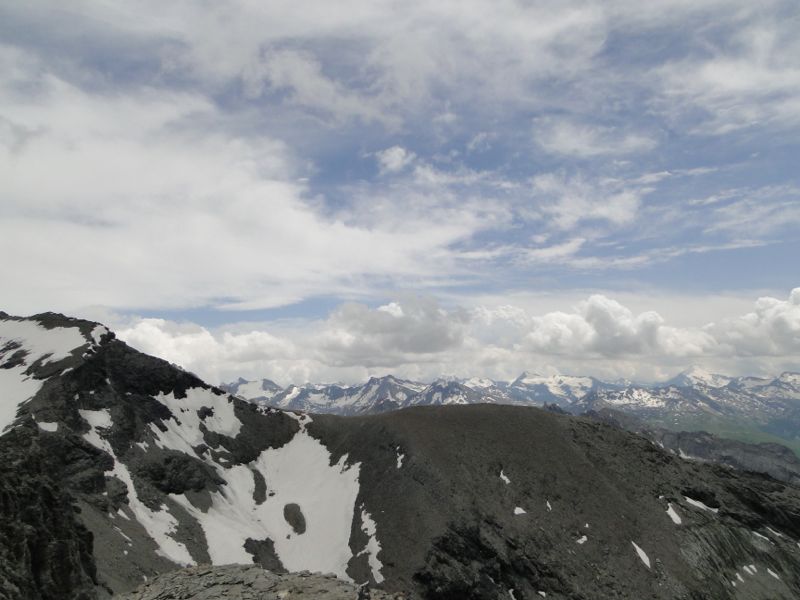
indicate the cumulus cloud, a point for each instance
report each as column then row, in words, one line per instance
column 417, row 337
column 771, row 329
column 416, row 327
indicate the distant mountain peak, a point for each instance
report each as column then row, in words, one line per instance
column 696, row 375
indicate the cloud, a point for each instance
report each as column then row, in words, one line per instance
column 301, row 74
column 357, row 335
column 559, row 253
column 583, row 140
column 203, row 155
column 144, row 187
column 755, row 212
column 572, row 200
column 394, row 159
column 419, row 338
column 602, row 326
column 771, row 329
column 751, row 79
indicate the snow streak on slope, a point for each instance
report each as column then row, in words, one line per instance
column 159, row 524
column 372, row 546
column 642, row 554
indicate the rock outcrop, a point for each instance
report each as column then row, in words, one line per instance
column 242, row 582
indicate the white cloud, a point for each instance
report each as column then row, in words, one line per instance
column 752, row 79
column 418, row 338
column 585, row 140
column 560, row 253
column 301, row 74
column 759, row 212
column 119, row 198
column 771, row 329
column 394, row 159
column 160, row 156
column 571, row 201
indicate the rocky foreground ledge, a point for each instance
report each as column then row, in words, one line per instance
column 250, row 582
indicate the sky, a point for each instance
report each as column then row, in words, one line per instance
column 326, row 191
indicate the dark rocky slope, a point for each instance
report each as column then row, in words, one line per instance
column 129, row 467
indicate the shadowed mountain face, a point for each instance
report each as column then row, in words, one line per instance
column 118, row 466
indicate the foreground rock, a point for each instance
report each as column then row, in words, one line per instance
column 248, row 582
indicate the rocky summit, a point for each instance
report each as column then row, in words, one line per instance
column 117, row 468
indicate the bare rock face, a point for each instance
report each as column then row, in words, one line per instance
column 249, row 582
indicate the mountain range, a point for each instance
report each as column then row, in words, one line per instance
column 750, row 409
column 117, row 467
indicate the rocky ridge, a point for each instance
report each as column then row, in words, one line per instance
column 249, row 582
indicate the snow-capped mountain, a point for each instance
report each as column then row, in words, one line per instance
column 696, row 376
column 444, row 391
column 262, row 389
column 743, row 408
column 116, row 467
column 707, row 393
column 562, row 390
column 380, row 394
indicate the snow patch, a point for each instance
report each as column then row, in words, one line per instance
column 699, row 504
column 519, row 510
column 98, row 332
column 549, row 508
column 183, row 429
column 299, row 472
column 773, row 574
column 47, row 426
column 642, row 555
column 582, row 540
column 50, row 345
column 400, row 457
column 503, row 476
column 372, row 546
column 676, row 518
column 39, row 344
column 17, row 389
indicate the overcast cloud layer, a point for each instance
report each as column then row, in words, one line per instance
column 324, row 190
